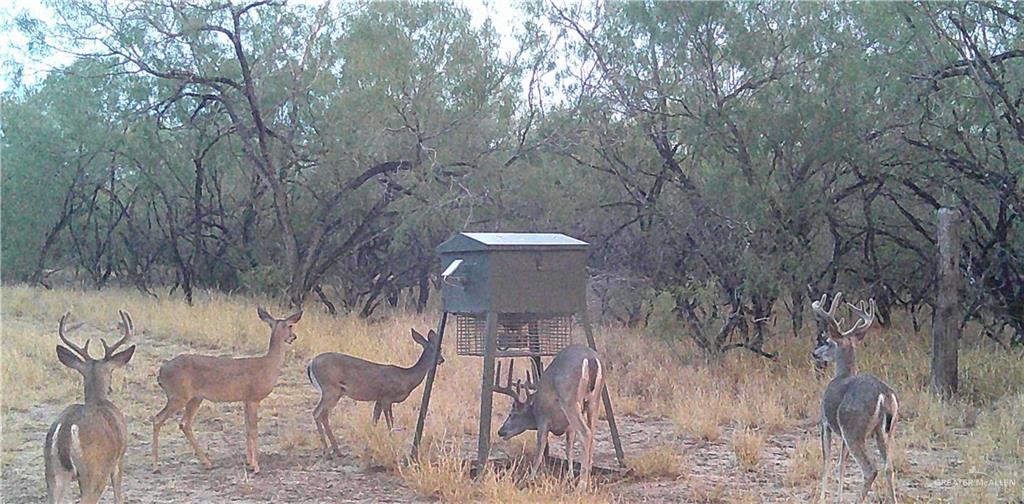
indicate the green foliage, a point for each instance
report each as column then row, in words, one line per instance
column 723, row 158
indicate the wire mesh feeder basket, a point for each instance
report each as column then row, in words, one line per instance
column 518, row 334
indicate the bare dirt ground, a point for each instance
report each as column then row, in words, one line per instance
column 294, row 472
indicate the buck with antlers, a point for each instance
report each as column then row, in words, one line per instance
column 188, row 379
column 564, row 401
column 336, row 375
column 88, row 441
column 855, row 406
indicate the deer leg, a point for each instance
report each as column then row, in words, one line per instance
column 538, row 457
column 844, row 451
column 578, row 426
column 92, row 486
column 866, row 467
column 252, row 434
column 885, row 451
column 116, row 477
column 389, row 417
column 326, row 419
column 329, row 398
column 173, row 406
column 826, row 458
column 588, row 442
column 186, row 428
column 57, row 478
column 377, row 408
column 570, row 440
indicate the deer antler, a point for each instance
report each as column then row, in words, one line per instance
column 531, row 384
column 82, row 352
column 508, row 388
column 129, row 329
column 864, row 310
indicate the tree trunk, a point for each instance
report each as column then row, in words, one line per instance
column 946, row 326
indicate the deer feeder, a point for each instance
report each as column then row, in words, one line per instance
column 511, row 295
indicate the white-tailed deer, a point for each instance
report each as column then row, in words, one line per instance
column 564, row 401
column 88, row 441
column 336, row 375
column 855, row 406
column 188, row 379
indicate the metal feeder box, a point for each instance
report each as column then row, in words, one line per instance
column 533, row 281
column 512, row 295
column 538, row 273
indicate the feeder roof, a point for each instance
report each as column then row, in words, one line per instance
column 471, row 242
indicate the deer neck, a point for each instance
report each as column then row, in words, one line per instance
column 846, row 364
column 95, row 391
column 275, row 351
column 419, row 370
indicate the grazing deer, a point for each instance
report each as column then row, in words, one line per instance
column 88, row 441
column 855, row 406
column 568, row 389
column 336, row 375
column 189, row 379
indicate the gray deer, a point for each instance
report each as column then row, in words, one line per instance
column 564, row 401
column 336, row 375
column 855, row 406
column 88, row 441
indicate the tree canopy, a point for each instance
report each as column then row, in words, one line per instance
column 726, row 159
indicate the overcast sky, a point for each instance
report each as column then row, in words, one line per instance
column 503, row 14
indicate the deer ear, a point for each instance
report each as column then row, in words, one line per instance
column 294, row 319
column 264, row 316
column 432, row 335
column 121, row 358
column 69, row 359
column 418, row 338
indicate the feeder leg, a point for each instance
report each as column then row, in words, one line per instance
column 427, row 387
column 486, row 391
column 619, row 454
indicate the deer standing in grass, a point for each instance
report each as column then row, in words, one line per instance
column 336, row 375
column 88, row 441
column 564, row 401
column 189, row 379
column 855, row 406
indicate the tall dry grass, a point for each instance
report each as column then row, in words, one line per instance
column 739, row 396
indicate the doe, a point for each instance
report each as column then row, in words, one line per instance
column 189, row 379
column 335, row 375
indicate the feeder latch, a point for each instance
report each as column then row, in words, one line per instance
column 448, row 277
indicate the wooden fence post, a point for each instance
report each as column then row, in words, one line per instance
column 946, row 325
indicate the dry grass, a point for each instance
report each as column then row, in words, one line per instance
column 747, row 446
column 661, row 462
column 738, row 401
column 805, row 468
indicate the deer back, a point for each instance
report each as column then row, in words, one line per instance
column 88, row 439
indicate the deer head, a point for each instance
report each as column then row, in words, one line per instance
column 837, row 339
column 429, row 343
column 280, row 329
column 522, row 417
column 96, row 372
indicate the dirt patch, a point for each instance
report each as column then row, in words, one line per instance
column 293, row 470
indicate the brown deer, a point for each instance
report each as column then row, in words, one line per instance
column 855, row 406
column 189, row 379
column 336, row 375
column 88, row 441
column 565, row 401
